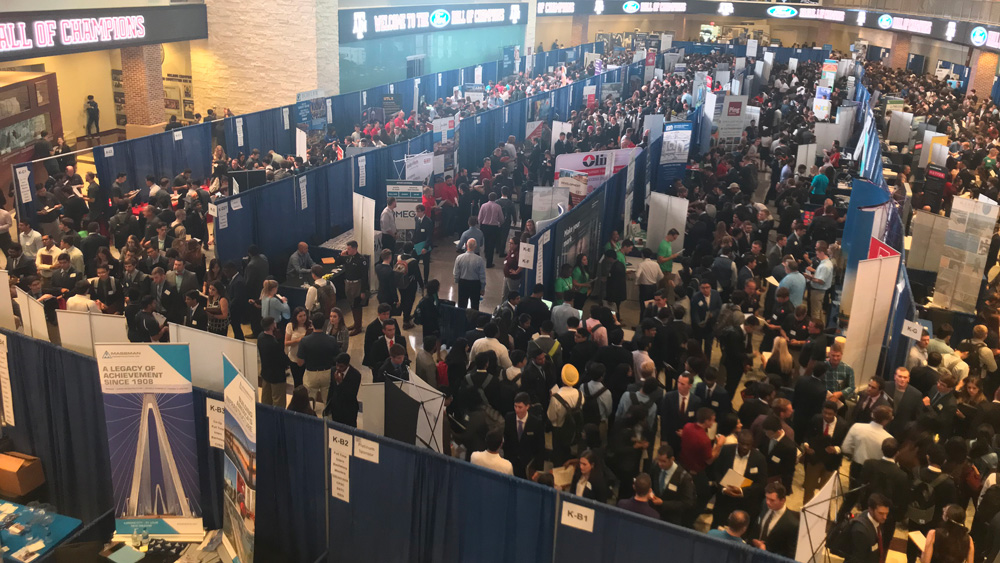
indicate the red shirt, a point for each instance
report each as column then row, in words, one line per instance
column 486, row 173
column 428, row 203
column 696, row 448
column 446, row 192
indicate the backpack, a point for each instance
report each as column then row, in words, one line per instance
column 326, row 296
column 922, row 509
column 493, row 416
column 973, row 360
column 644, row 406
column 592, row 408
column 838, row 541
column 572, row 428
column 402, row 271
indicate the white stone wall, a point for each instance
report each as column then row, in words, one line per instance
column 328, row 46
column 258, row 54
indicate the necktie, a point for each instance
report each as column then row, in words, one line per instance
column 390, row 344
column 520, row 427
column 826, row 429
column 663, row 481
column 684, row 401
column 178, row 279
column 767, row 522
column 881, row 548
column 937, row 395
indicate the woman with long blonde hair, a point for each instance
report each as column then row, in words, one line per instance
column 781, row 361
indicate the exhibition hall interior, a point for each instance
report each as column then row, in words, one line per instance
column 533, row 281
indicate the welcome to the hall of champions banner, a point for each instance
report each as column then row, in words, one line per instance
column 674, row 154
column 239, row 490
column 150, row 422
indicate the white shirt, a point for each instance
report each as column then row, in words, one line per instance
column 775, row 516
column 312, row 296
column 493, row 461
column 916, row 358
column 740, row 463
column 83, row 304
column 648, row 272
column 30, row 243
column 490, row 344
column 864, row 441
column 556, row 412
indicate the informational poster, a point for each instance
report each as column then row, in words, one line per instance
column 362, row 172
column 654, row 124
column 150, row 422
column 598, row 166
column 303, row 192
column 590, row 96
column 444, row 145
column 5, row 392
column 829, row 70
column 963, row 257
column 540, row 257
column 822, row 109
column 474, row 92
column 239, row 131
column 341, row 448
column 526, row 256
column 419, row 167
column 534, row 130
column 23, row 172
column 576, row 183
column 578, row 232
column 239, row 489
column 215, row 411
column 731, row 121
column 751, row 48
column 675, row 151
column 408, row 194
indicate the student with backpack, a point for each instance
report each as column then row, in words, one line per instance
column 597, row 404
column 565, row 414
column 407, row 270
column 321, row 296
column 932, row 490
column 859, row 539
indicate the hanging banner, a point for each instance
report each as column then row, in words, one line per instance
column 150, row 422
column 474, row 92
column 597, row 166
column 444, row 145
column 419, row 167
column 675, row 152
column 576, row 183
column 590, row 96
column 731, row 121
column 408, row 194
column 239, row 489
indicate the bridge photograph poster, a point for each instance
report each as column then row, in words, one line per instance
column 150, row 421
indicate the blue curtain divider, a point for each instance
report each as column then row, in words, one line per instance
column 210, row 461
column 59, row 412
column 291, row 487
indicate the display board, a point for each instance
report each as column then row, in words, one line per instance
column 151, row 437
column 927, row 243
column 869, row 316
column 239, row 489
column 578, row 232
column 79, row 329
column 963, row 257
column 209, row 349
column 408, row 194
column 674, row 152
column 598, row 166
column 7, row 320
column 666, row 212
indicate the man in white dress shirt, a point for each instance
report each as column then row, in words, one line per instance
column 490, row 458
column 864, row 440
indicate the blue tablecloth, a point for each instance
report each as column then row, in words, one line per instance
column 60, row 529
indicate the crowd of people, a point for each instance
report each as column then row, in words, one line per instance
column 703, row 417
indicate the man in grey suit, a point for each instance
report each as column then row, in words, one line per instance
column 182, row 279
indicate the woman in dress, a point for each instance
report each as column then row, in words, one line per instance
column 295, row 331
column 950, row 542
column 218, row 309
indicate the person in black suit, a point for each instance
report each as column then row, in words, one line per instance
column 342, row 402
column 108, row 291
column 906, row 402
column 873, row 397
column 674, row 489
column 865, row 538
column 154, row 259
column 133, row 277
column 776, row 530
column 939, row 408
column 386, row 275
column 886, row 477
column 677, row 334
column 713, row 395
column 705, row 308
column 821, row 444
column 524, row 438
column 168, row 301
column 394, row 367
column 756, row 402
column 378, row 353
column 588, row 479
column 64, row 277
column 742, row 458
column 256, row 271
column 195, row 315
column 780, row 451
column 924, row 378
column 273, row 365
column 92, row 242
column 376, row 328
column 810, row 396
column 18, row 264
column 677, row 408
column 737, row 356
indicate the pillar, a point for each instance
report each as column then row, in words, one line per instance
column 529, row 27
column 900, row 50
column 579, row 31
column 142, row 74
column 822, row 36
column 982, row 71
column 328, row 46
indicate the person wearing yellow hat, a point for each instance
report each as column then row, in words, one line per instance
column 565, row 412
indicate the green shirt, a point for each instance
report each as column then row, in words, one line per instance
column 666, row 249
column 562, row 286
column 621, row 257
column 989, row 163
column 581, row 277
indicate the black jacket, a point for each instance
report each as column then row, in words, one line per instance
column 884, row 476
column 818, row 441
column 863, row 541
column 678, row 496
column 783, row 536
column 273, row 359
column 780, row 460
column 342, row 402
column 905, row 410
column 528, row 448
column 196, row 318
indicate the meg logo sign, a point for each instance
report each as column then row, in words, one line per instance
column 735, row 109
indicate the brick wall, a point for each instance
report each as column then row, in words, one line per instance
column 143, row 81
column 900, row 50
column 982, row 72
column 328, row 47
column 258, row 54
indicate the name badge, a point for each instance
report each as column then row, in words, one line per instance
column 671, row 487
column 753, row 470
column 940, row 407
column 875, row 547
column 715, row 403
column 775, row 459
column 166, row 292
column 690, row 413
column 530, row 433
